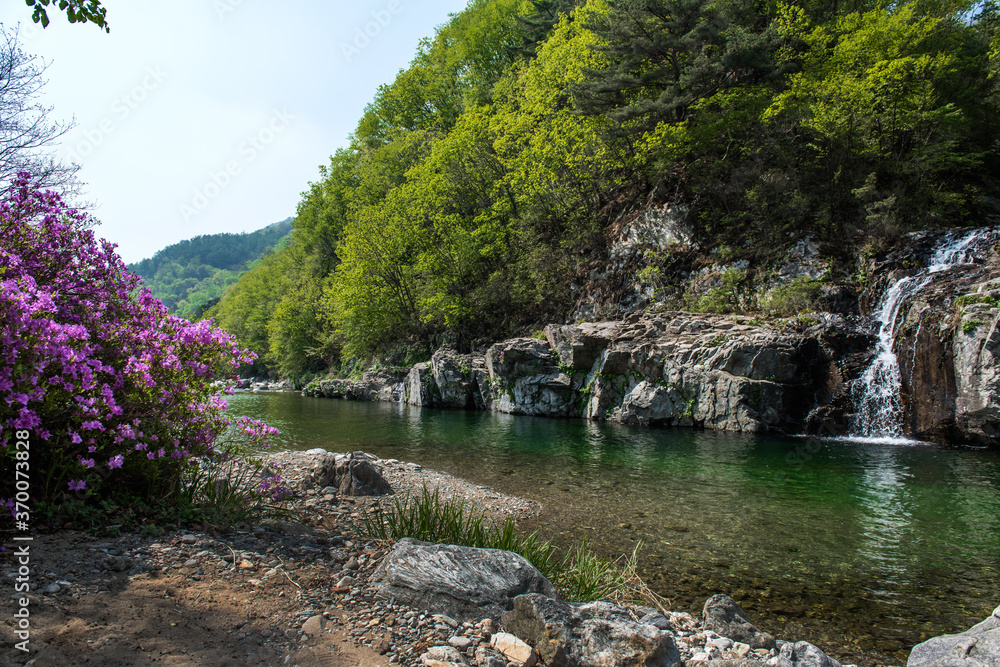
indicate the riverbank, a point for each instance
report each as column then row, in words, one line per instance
column 245, row 597
column 256, row 596
column 252, row 596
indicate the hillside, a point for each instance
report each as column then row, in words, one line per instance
column 541, row 162
column 191, row 275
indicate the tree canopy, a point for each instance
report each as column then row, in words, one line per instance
column 482, row 186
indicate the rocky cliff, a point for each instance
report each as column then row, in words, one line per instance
column 788, row 375
column 677, row 368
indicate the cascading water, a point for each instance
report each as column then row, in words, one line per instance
column 877, row 402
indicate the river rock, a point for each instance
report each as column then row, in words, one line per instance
column 514, row 648
column 442, row 655
column 465, row 583
column 725, row 617
column 379, row 385
column 356, row 475
column 588, row 635
column 979, row 646
column 804, row 654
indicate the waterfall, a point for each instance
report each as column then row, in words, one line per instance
column 878, row 406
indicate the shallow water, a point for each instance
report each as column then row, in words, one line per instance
column 862, row 547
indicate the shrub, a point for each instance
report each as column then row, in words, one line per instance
column 969, row 326
column 794, row 297
column 115, row 392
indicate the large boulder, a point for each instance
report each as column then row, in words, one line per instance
column 452, row 374
column 353, row 474
column 594, row 634
column 357, row 476
column 723, row 616
column 464, row 583
column 525, row 378
column 420, row 385
column 979, row 646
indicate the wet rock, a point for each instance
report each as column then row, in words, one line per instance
column 979, row 646
column 723, row 616
column 591, row 634
column 465, row 583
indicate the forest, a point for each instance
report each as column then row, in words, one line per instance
column 482, row 186
column 191, row 276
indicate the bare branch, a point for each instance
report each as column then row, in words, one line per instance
column 27, row 134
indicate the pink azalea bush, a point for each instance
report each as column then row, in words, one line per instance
column 114, row 390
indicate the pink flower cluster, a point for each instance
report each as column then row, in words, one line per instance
column 89, row 361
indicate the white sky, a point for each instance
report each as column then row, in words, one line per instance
column 206, row 116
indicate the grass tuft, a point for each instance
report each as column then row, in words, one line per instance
column 580, row 575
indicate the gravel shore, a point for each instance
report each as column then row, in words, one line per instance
column 292, row 593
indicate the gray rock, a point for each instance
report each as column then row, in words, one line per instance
column 452, row 375
column 484, row 658
column 443, row 654
column 979, row 646
column 420, row 385
column 524, row 377
column 723, row 616
column 460, row 642
column 357, row 476
column 323, row 472
column 314, row 626
column 580, row 345
column 804, row 654
column 588, row 635
column 464, row 583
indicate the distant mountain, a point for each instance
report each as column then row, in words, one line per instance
column 191, row 275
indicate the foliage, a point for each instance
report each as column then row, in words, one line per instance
column 580, row 575
column 794, row 297
column 190, row 276
column 236, row 486
column 77, row 11
column 114, row 392
column 485, row 184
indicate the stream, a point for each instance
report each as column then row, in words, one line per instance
column 864, row 548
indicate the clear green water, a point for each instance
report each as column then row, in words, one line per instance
column 864, row 549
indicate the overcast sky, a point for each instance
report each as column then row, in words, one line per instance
column 205, row 116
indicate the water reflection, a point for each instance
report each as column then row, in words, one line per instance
column 884, row 516
column 890, row 541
